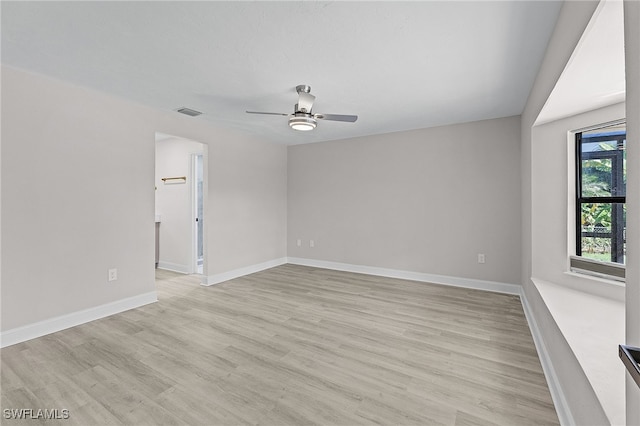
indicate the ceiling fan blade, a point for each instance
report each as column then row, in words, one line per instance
column 336, row 117
column 267, row 113
column 305, row 102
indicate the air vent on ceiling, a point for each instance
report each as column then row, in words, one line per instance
column 188, row 111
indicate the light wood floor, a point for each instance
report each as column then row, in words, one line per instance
column 290, row 346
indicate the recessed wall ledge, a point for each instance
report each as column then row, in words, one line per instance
column 593, row 326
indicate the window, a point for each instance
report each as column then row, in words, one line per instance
column 601, row 159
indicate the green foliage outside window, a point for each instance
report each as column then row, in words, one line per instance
column 598, row 219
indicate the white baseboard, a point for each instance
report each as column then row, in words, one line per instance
column 41, row 328
column 240, row 272
column 557, row 395
column 409, row 275
column 175, row 267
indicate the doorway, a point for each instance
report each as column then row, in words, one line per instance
column 180, row 200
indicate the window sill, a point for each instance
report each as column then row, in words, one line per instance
column 598, row 270
column 592, row 325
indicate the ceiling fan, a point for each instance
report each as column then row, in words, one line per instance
column 303, row 118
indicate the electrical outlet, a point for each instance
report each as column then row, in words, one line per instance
column 113, row 274
column 312, row 243
column 299, row 243
column 481, row 258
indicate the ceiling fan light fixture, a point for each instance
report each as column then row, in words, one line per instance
column 303, row 124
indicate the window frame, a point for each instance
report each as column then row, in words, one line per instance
column 579, row 263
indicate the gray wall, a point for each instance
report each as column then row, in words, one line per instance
column 423, row 201
column 78, row 197
column 247, row 204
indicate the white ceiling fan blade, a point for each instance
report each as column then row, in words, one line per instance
column 266, row 113
column 336, row 117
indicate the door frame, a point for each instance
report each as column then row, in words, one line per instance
column 194, row 209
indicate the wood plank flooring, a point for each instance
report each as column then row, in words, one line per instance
column 292, row 345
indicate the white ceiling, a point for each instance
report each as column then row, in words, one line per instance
column 594, row 76
column 397, row 65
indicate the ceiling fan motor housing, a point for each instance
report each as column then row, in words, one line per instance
column 303, row 88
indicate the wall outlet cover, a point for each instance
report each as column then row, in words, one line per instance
column 113, row 274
